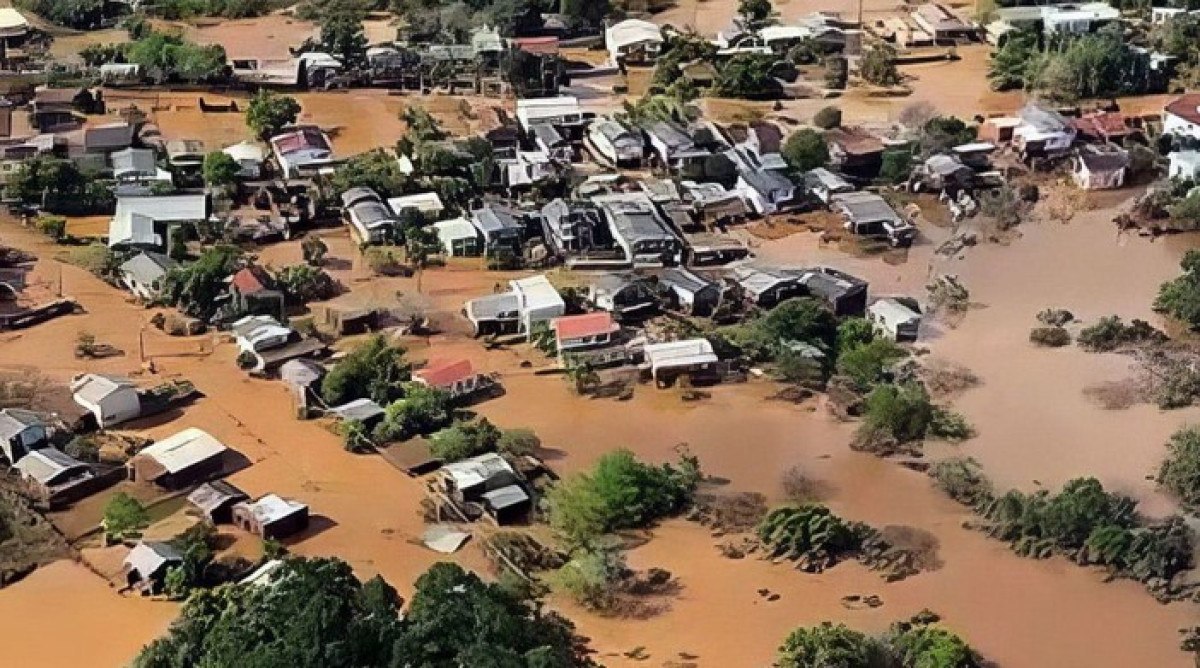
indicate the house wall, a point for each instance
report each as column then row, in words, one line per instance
column 1180, row 127
column 116, row 408
column 282, row 528
column 146, row 469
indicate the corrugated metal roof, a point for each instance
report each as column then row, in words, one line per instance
column 187, row 448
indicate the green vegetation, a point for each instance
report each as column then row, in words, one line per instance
column 811, row 535
column 805, row 320
column 303, row 283
column 269, row 112
column 314, row 250
column 342, row 35
column 196, row 545
column 168, row 57
column 194, row 288
column 1050, row 337
column 464, row 439
column 220, row 169
column 827, row 118
column 1179, row 473
column 1068, row 68
column 374, row 370
column 590, row 577
column 879, row 65
column 175, row 10
column 423, row 410
column 54, row 227
column 1110, row 333
column 941, row 133
column 1180, row 297
column 318, row 614
column 805, row 149
column 905, row 414
column 896, row 166
column 375, row 170
column 748, row 76
column 866, row 364
column 518, row 442
column 962, row 479
column 124, row 517
column 755, row 13
column 58, row 185
column 916, row 643
column 619, row 492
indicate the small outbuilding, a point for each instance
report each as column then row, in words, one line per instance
column 895, row 319
column 180, row 460
column 1100, row 167
column 53, row 475
column 146, row 566
column 271, row 516
column 110, row 399
column 215, row 500
column 458, row 237
column 143, row 273
column 20, row 432
column 692, row 357
column 688, row 292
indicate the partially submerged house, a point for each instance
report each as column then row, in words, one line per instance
column 1042, row 132
column 108, row 138
column 500, row 226
column 302, row 150
column 766, row 288
column 766, row 191
column 1181, row 116
column 271, row 517
column 1183, row 164
column 944, row 171
column 844, row 294
column 56, row 477
column 527, row 302
column 364, row 410
column 250, row 156
column 186, row 154
column 943, row 24
column 855, row 151
column 428, row 204
column 252, row 292
column 867, row 214
column 624, row 295
column 145, row 221
column 675, row 149
column 1100, row 167
column 894, row 319
column 570, row 226
column 21, row 431
column 687, row 292
column 692, row 357
column 455, row 377
column 180, row 460
column 214, row 500
column 256, row 333
column 146, row 566
column 143, row 273
column 458, row 237
column 585, row 336
column 1103, row 126
column 489, row 481
column 136, row 171
column 824, row 184
column 110, row 399
column 616, row 144
column 633, row 42
column 366, row 214
column 638, row 229
column 563, row 113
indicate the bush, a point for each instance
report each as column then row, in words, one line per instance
column 1179, row 473
column 518, row 442
column 374, row 370
column 1050, row 337
column 124, row 517
column 54, row 227
column 590, row 577
column 827, row 118
column 84, row 448
column 810, row 534
column 619, row 492
column 464, row 439
column 423, row 410
column 1111, row 333
column 805, row 149
column 269, row 112
column 303, row 283
column 896, row 166
column 962, row 479
column 384, row 260
column 804, row 320
column 866, row 364
column 950, row 425
column 1180, row 297
column 1055, row 317
column 902, row 412
column 829, row 646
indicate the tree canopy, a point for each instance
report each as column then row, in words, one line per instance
column 220, row 169
column 269, row 112
column 805, row 149
column 373, row 370
column 1180, row 297
column 194, row 288
column 1180, row 471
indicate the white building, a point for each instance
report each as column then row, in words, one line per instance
column 249, row 156
column 429, row 204
column 676, row 357
column 892, row 318
column 1184, row 164
column 144, row 272
column 1181, row 116
column 138, row 218
column 302, row 149
column 616, row 143
column 458, row 237
column 256, row 333
column 527, row 302
column 633, row 41
column 111, row 399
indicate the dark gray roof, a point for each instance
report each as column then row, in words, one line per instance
column 831, row 283
column 212, row 495
column 362, row 410
column 684, row 280
column 634, row 220
column 765, row 181
column 547, row 134
column 148, row 266
column 13, row 421
column 494, row 218
column 46, row 464
column 1099, row 159
column 357, row 194
column 116, row 135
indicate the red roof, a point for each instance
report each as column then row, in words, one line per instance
column 588, row 324
column 300, row 139
column 1101, row 125
column 547, row 46
column 248, row 281
column 1186, row 107
column 441, row 373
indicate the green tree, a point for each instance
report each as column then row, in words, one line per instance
column 423, row 410
column 342, row 35
column 866, row 364
column 590, row 577
column 879, row 65
column 1011, row 64
column 829, row 646
column 194, row 288
column 805, row 149
column 518, row 442
column 314, row 249
column 124, row 517
column 896, row 166
column 373, row 369
column 827, row 118
column 902, row 412
column 40, row 175
column 942, row 133
column 852, row 333
column 804, row 319
column 927, row 646
column 755, row 13
column 464, row 439
column 303, row 283
column 748, row 76
column 374, row 169
column 269, row 112
column 220, row 169
column 1179, row 473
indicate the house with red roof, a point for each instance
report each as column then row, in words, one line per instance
column 252, row 292
column 456, row 377
column 590, row 336
column 304, row 148
column 1104, row 126
column 1181, row 116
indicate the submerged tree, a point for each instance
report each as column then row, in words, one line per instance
column 269, row 112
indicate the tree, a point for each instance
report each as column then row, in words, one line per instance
column 1180, row 471
column 852, row 333
column 748, row 76
column 866, row 363
column 269, row 112
column 54, row 227
column 829, row 646
column 220, row 169
column 803, row 319
column 837, row 72
column 303, row 283
column 755, row 13
column 464, row 439
column 827, row 118
column 342, row 35
column 423, row 410
column 879, row 65
column 124, row 517
column 374, row 169
column 314, row 250
column 902, row 412
column 194, row 288
column 941, row 133
column 40, row 175
column 590, row 577
column 896, row 166
column 805, row 149
column 1011, row 65
column 178, row 249
column 586, row 12
column 518, row 442
column 374, row 369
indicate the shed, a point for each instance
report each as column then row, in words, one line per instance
column 111, row 399
column 178, row 460
column 669, row 360
column 507, row 504
column 143, row 273
column 458, row 237
column 147, row 563
column 689, row 292
column 271, row 517
column 895, row 319
column 365, row 411
column 765, row 287
column 1100, row 167
column 215, row 500
column 845, row 294
column 470, row 478
column 51, row 469
column 301, row 373
column 20, row 432
column 429, row 204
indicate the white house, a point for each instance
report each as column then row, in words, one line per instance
column 616, row 143
column 1100, row 167
column 1183, row 164
column 1181, row 116
column 302, row 148
column 527, row 302
column 256, row 333
column 249, row 156
column 371, row 220
column 458, row 237
column 632, row 41
column 677, row 357
column 111, row 399
column 143, row 273
column 429, row 204
column 1043, row 131
column 894, row 319
column 138, row 218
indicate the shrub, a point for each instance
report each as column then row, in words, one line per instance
column 1110, row 333
column 950, row 425
column 963, row 480
column 54, row 227
column 896, row 166
column 829, row 646
column 827, row 118
column 805, row 149
column 902, row 412
column 518, row 442
column 1055, row 317
column 303, row 283
column 591, row 576
column 423, row 410
column 124, row 517
column 374, row 369
column 1180, row 297
column 464, row 439
column 1180, row 471
column 269, row 112
column 810, row 534
column 1050, row 337
column 866, row 364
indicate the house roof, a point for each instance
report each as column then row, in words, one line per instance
column 1042, row 119
column 830, row 283
column 272, row 508
column 109, row 135
column 184, row 449
column 249, row 280
column 13, row 421
column 361, row 410
column 683, row 279
column 300, row 139
column 596, row 323
column 893, row 309
column 493, row 218
column 536, row 292
column 1102, row 125
column 135, row 216
column 1104, row 158
column 185, row 148
column 12, row 23
column 508, row 496
column 534, row 109
column 212, row 495
column 769, row 135
column 46, row 464
column 246, row 151
column 301, row 372
column 944, row 165
column 445, row 372
column 940, row 17
column 148, row 557
column 486, row 39
column 455, row 228
column 93, row 388
column 757, row 281
column 358, row 194
column 428, row 202
column 633, row 216
column 494, row 306
column 680, row 353
column 631, row 31
column 864, row 207
column 488, row 469
column 547, row 46
column 148, row 266
column 827, row 179
column 854, row 142
column 133, row 161
column 1186, row 107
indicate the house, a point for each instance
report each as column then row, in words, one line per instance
column 616, row 144
column 365, row 411
column 945, row 170
column 527, row 302
column 110, row 399
column 635, row 225
column 490, row 481
column 366, row 214
column 59, row 109
column 428, row 204
column 685, row 291
column 853, row 150
column 145, row 221
column 999, row 129
column 1063, row 18
column 633, row 42
column 844, row 294
column 302, row 149
column 108, row 138
column 1183, row 164
column 146, row 566
column 713, row 205
column 13, row 27
column 976, row 155
column 548, row 140
column 215, row 500
column 563, row 112
column 54, row 476
column 143, row 273
column 256, row 333
column 500, row 226
column 249, row 156
column 136, row 171
column 894, row 319
column 692, row 357
column 945, row 26
column 765, row 191
column 271, row 517
column 456, row 377
column 458, row 237
column 824, row 184
column 1100, row 167
column 21, row 431
column 626, row 296
column 584, row 332
column 177, row 461
column 301, row 374
column 1042, row 131
column 766, row 288
column 867, row 214
column 1103, row 126
column 570, row 226
column 251, row 292
column 1181, row 117
column 186, row 154
column 763, row 139
column 675, row 149
column 526, row 169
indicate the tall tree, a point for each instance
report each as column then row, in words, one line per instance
column 269, row 112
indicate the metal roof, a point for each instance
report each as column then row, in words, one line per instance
column 187, row 448
column 488, row 469
column 272, row 508
column 94, row 388
column 679, row 353
column 47, row 463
